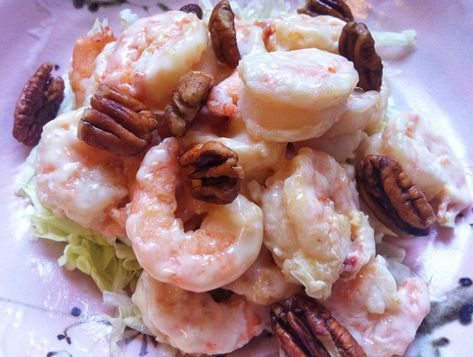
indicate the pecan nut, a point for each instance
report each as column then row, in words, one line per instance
column 306, row 328
column 390, row 195
column 216, row 174
column 357, row 45
column 187, row 100
column 193, row 9
column 117, row 123
column 223, row 34
column 38, row 104
column 335, row 8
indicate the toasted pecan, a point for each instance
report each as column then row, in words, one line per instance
column 38, row 104
column 390, row 195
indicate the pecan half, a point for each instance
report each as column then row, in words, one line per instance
column 216, row 174
column 117, row 123
column 194, row 9
column 223, row 34
column 357, row 45
column 391, row 196
column 335, row 8
column 38, row 103
column 306, row 328
column 187, row 100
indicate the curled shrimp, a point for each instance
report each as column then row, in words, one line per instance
column 298, row 31
column 294, row 95
column 84, row 55
column 194, row 322
column 255, row 156
column 312, row 222
column 263, row 283
column 223, row 248
column 249, row 39
column 151, row 55
column 424, row 154
column 85, row 184
column 382, row 317
column 363, row 115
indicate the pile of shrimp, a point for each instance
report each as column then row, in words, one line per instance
column 293, row 114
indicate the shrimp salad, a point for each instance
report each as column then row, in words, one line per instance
column 234, row 170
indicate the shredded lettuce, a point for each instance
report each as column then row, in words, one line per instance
column 128, row 317
column 111, row 264
column 128, row 18
column 403, row 38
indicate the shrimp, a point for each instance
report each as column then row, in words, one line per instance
column 80, row 182
column 263, row 283
column 294, row 95
column 84, row 55
column 312, row 222
column 151, row 55
column 194, row 322
column 363, row 115
column 382, row 317
column 249, row 39
column 365, row 111
column 426, row 156
column 255, row 156
column 298, row 31
column 221, row 250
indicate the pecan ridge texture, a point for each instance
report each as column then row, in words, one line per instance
column 38, row 104
column 391, row 196
column 215, row 172
column 335, row 8
column 117, row 123
column 223, row 34
column 357, row 45
column 187, row 100
column 304, row 327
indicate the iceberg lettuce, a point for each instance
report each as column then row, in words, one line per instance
column 111, row 264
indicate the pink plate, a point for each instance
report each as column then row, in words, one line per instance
column 36, row 296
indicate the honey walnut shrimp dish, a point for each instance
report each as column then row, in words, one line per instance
column 247, row 163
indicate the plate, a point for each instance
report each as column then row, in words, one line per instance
column 39, row 300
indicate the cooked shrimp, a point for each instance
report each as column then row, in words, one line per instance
column 194, row 322
column 84, row 55
column 222, row 249
column 424, row 154
column 249, row 39
column 382, row 318
column 151, row 55
column 294, row 95
column 312, row 222
column 298, row 31
column 263, row 283
column 256, row 157
column 365, row 111
column 82, row 183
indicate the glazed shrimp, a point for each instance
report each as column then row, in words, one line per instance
column 194, row 322
column 151, row 55
column 84, row 184
column 381, row 317
column 263, row 283
column 363, row 115
column 249, row 39
column 424, row 154
column 222, row 249
column 294, row 95
column 255, row 156
column 84, row 55
column 298, row 31
column 312, row 222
